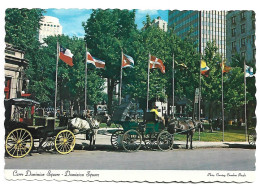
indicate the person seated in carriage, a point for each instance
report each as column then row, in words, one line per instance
column 157, row 115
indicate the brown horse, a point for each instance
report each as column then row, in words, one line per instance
column 187, row 127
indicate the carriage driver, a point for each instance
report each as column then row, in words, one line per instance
column 155, row 110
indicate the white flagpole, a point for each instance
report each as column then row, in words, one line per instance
column 86, row 77
column 120, row 86
column 245, row 99
column 147, row 99
column 173, row 85
column 56, row 81
column 222, row 103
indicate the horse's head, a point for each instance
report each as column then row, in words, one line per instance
column 199, row 125
column 96, row 122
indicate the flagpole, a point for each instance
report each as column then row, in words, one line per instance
column 199, row 93
column 86, row 75
column 173, row 85
column 222, row 103
column 245, row 99
column 147, row 98
column 120, row 86
column 56, row 81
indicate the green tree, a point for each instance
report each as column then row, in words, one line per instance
column 106, row 33
column 21, row 27
column 71, row 80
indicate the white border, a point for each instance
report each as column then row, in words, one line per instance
column 148, row 4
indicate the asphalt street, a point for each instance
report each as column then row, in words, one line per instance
column 236, row 159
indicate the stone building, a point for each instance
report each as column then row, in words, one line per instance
column 241, row 35
column 15, row 80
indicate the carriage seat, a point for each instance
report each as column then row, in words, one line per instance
column 150, row 117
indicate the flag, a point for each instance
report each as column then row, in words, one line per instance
column 95, row 61
column 66, row 56
column 225, row 68
column 157, row 63
column 127, row 61
column 249, row 71
column 204, row 68
column 182, row 65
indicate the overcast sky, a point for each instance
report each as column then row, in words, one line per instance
column 71, row 19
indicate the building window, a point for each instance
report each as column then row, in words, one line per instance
column 254, row 51
column 242, row 14
column 243, row 28
column 243, row 42
column 7, row 87
column 233, row 19
column 233, row 32
column 253, row 24
column 233, row 45
column 253, row 40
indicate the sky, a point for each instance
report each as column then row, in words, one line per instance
column 71, row 19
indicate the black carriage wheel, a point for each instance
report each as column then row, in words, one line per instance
column 18, row 143
column 150, row 141
column 132, row 140
column 252, row 138
column 116, row 139
column 165, row 141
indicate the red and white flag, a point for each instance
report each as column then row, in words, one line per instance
column 157, row 63
column 96, row 62
column 66, row 56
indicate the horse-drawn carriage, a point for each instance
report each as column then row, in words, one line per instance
column 152, row 133
column 23, row 129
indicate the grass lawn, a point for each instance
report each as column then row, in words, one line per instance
column 230, row 135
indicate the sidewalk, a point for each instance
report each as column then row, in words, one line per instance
column 104, row 135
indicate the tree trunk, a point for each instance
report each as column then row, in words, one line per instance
column 78, row 107
column 61, row 106
column 211, row 115
column 71, row 108
column 110, row 89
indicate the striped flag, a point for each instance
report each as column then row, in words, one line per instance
column 157, row 63
column 225, row 68
column 95, row 61
column 127, row 61
column 66, row 56
column 204, row 68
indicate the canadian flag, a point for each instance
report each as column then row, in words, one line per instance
column 157, row 63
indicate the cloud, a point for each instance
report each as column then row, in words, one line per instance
column 71, row 20
column 142, row 13
column 140, row 16
column 73, row 26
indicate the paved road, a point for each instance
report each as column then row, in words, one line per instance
column 177, row 159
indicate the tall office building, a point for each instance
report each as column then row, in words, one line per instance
column 203, row 26
column 159, row 23
column 49, row 26
column 241, row 35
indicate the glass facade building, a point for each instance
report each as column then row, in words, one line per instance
column 202, row 26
